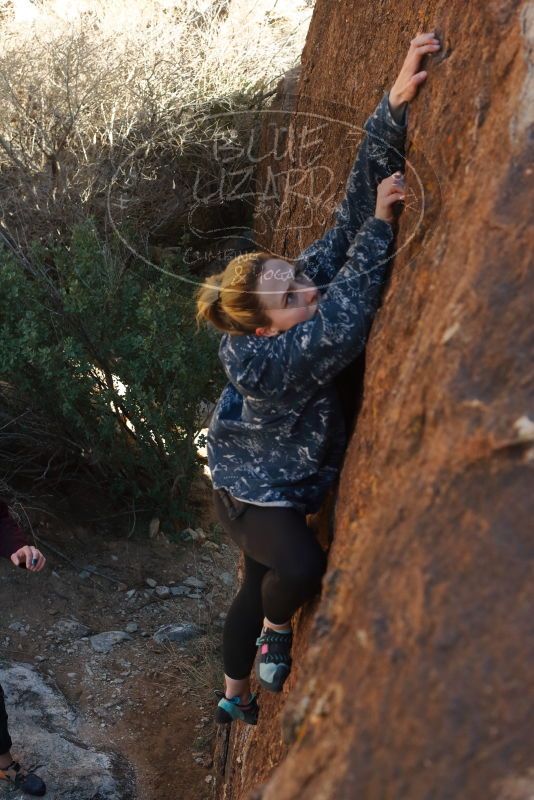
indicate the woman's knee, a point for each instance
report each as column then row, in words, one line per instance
column 308, row 570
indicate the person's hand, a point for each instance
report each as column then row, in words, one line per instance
column 30, row 557
column 388, row 192
column 407, row 84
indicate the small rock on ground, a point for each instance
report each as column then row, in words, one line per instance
column 177, row 633
column 103, row 642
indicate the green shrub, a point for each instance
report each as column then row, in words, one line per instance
column 105, row 347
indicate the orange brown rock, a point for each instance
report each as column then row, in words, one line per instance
column 413, row 672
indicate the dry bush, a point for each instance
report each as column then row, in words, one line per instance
column 125, row 97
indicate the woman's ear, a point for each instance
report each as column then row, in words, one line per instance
column 265, row 332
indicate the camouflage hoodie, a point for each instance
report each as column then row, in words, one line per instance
column 277, row 435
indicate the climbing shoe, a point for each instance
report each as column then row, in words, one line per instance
column 24, row 780
column 273, row 663
column 232, row 708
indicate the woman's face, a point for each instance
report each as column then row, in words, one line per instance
column 287, row 295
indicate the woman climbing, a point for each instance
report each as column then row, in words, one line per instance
column 276, row 438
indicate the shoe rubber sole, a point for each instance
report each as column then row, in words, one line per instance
column 280, row 678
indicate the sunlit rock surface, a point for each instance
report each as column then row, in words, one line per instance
column 412, row 673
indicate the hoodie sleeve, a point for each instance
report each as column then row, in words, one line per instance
column 12, row 537
column 381, row 153
column 310, row 354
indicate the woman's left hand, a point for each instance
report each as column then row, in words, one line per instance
column 407, row 84
column 29, row 557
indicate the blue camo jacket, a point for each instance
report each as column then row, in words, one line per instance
column 277, row 434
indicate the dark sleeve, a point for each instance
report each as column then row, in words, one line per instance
column 312, row 353
column 399, row 115
column 381, row 153
column 12, row 537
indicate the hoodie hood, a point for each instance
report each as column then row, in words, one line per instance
column 245, row 359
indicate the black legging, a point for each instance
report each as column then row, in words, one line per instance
column 5, row 740
column 284, row 564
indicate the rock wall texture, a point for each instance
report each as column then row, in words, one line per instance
column 413, row 672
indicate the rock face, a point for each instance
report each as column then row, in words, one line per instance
column 412, row 672
column 41, row 721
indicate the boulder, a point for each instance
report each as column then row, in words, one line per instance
column 48, row 731
column 412, row 673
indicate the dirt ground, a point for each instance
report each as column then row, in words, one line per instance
column 153, row 703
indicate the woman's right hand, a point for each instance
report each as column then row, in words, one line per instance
column 389, row 191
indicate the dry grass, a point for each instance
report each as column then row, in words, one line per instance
column 128, row 94
column 198, row 670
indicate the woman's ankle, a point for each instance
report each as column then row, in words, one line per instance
column 286, row 626
column 237, row 688
column 245, row 699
